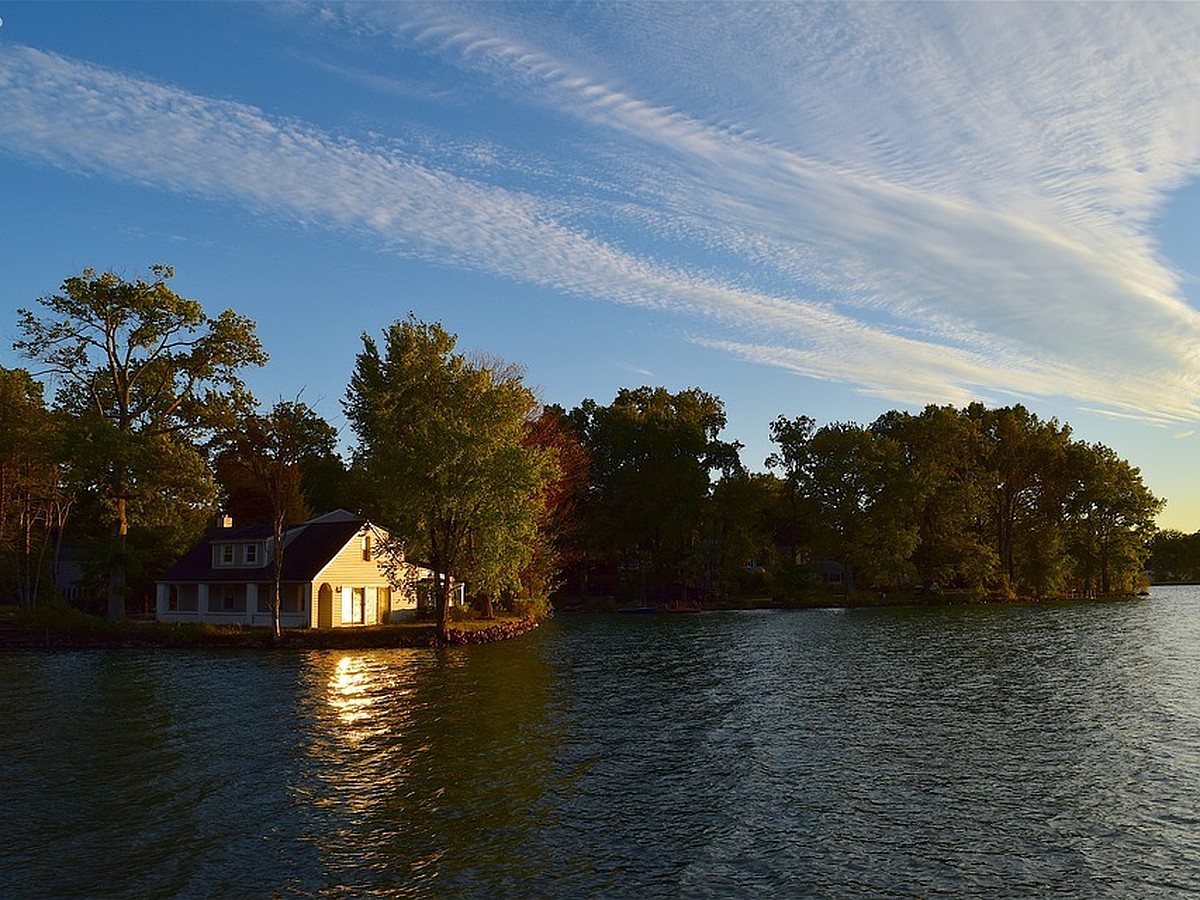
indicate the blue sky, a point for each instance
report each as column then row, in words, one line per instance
column 832, row 210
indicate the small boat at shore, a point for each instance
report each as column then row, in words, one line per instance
column 639, row 610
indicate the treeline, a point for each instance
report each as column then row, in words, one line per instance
column 1175, row 557
column 982, row 502
column 151, row 430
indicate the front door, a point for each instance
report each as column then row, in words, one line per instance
column 325, row 607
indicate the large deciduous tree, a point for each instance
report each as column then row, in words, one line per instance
column 144, row 372
column 652, row 458
column 792, row 438
column 943, row 492
column 1110, row 520
column 557, row 544
column 268, row 450
column 442, row 440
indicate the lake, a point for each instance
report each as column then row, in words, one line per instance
column 1013, row 750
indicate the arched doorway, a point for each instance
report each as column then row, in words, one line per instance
column 325, row 606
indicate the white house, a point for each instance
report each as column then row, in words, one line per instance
column 334, row 575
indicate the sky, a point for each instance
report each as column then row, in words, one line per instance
column 830, row 210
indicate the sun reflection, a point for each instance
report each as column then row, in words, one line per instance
column 352, row 696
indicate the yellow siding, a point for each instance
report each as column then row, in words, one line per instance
column 348, row 569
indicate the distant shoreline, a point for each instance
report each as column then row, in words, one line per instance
column 862, row 600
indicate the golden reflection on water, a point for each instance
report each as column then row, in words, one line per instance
column 368, row 696
column 363, row 729
column 350, row 696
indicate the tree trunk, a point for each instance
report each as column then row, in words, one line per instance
column 61, row 513
column 25, row 559
column 441, row 584
column 276, row 594
column 442, row 593
column 116, row 571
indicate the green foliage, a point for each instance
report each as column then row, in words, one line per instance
column 967, row 498
column 652, row 454
column 738, row 538
column 530, row 608
column 441, row 439
column 144, row 375
column 463, row 614
column 454, row 455
column 1175, row 557
column 35, row 498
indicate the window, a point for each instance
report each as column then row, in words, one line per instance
column 189, row 597
column 227, row 554
column 251, row 554
column 366, row 547
column 227, row 598
column 292, row 599
column 182, row 597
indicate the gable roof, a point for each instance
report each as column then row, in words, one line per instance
column 308, row 552
column 307, row 548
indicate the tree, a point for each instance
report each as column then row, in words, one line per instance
column 1024, row 464
column 792, row 437
column 1110, row 519
column 268, row 450
column 652, row 458
column 738, row 535
column 850, row 480
column 941, row 489
column 1175, row 556
column 557, row 544
column 34, row 500
column 443, row 441
column 143, row 371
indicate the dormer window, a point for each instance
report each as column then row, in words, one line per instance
column 227, row 554
column 251, row 554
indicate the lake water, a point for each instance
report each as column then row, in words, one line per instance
column 999, row 751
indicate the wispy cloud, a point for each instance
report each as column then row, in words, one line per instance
column 958, row 169
column 928, row 202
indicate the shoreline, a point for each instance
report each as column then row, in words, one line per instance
column 864, row 600
column 71, row 630
column 67, row 629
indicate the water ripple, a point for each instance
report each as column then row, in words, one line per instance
column 998, row 751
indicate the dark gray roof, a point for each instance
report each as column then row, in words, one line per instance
column 307, row 549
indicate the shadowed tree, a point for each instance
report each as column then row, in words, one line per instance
column 652, row 458
column 1024, row 466
column 1110, row 519
column 141, row 369
column 268, row 450
column 557, row 541
column 941, row 489
column 792, row 437
column 34, row 499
